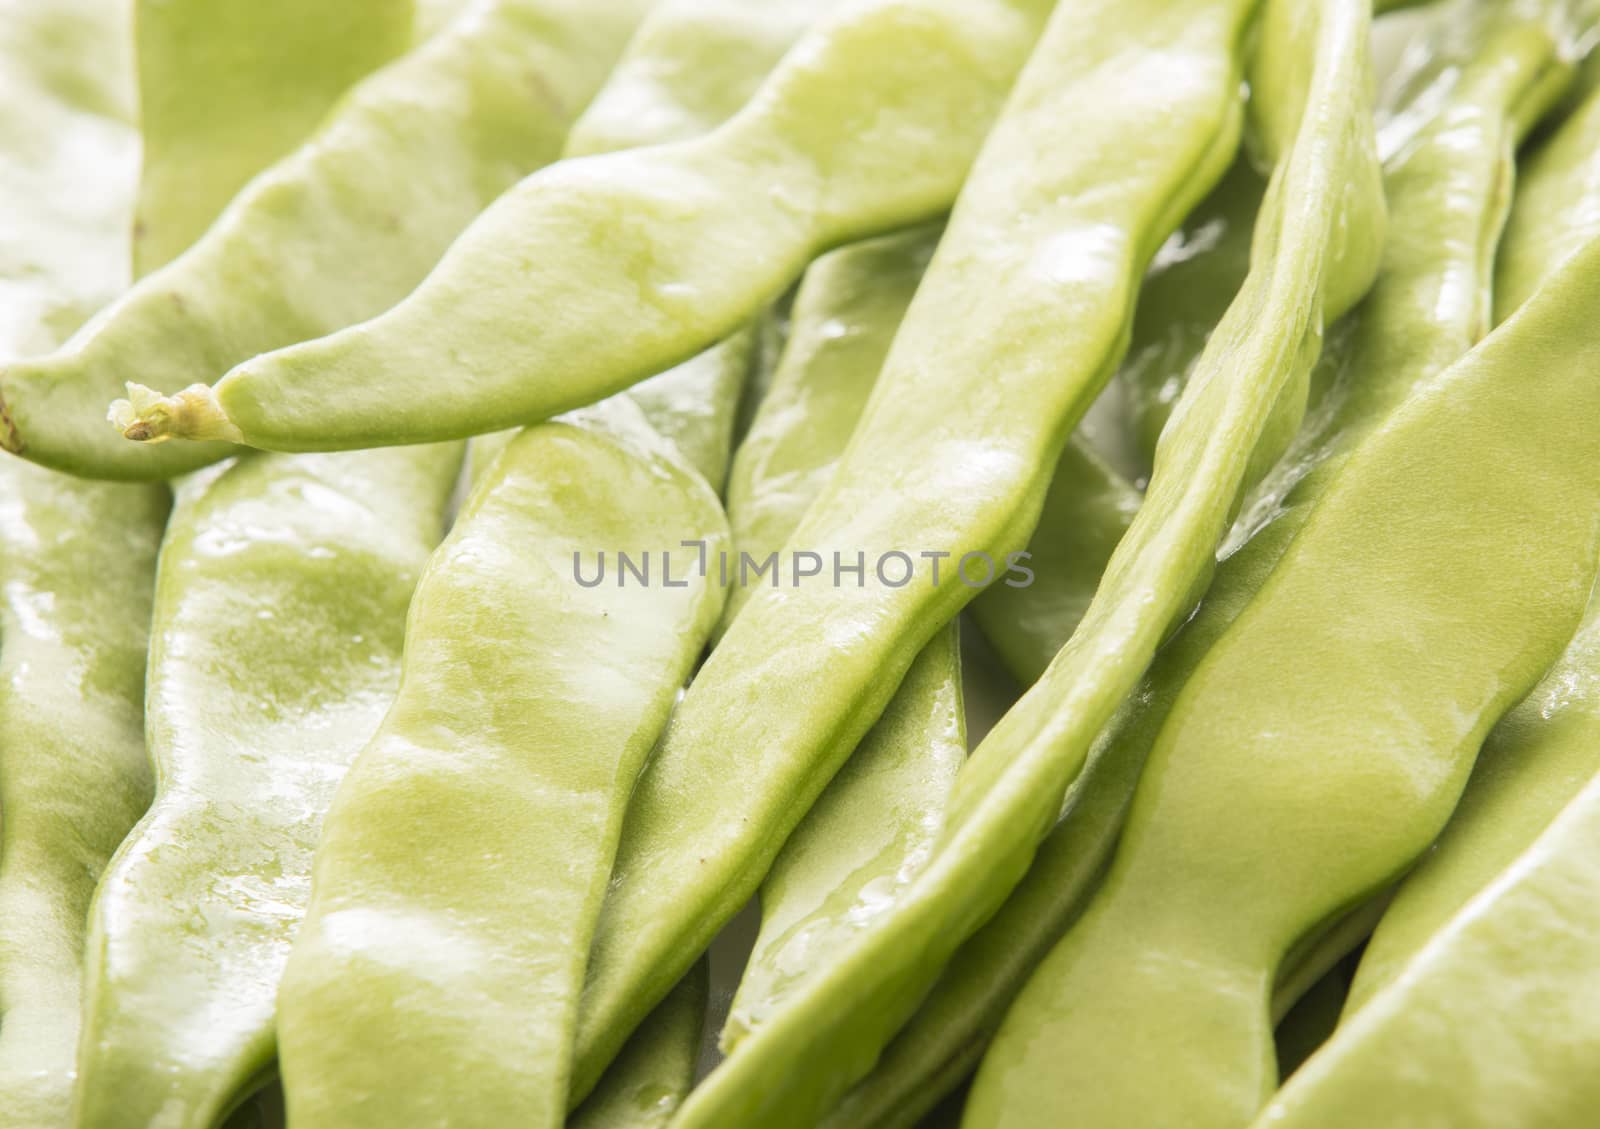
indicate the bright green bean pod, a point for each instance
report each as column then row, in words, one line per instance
column 1562, row 182
column 1511, row 975
column 862, row 840
column 77, row 565
column 869, row 123
column 77, row 559
column 437, row 975
column 944, row 460
column 647, row 1083
column 865, row 835
column 70, row 156
column 1433, row 290
column 1548, row 748
column 691, row 65
column 845, row 314
column 207, row 128
column 280, row 608
column 338, row 231
column 1214, row 882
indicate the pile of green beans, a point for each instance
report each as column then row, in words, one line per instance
column 799, row 564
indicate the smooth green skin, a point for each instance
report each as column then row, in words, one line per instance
column 77, row 559
column 1562, row 182
column 942, row 460
column 861, row 842
column 1252, row 824
column 1493, row 1021
column 338, row 231
column 436, row 977
column 871, row 827
column 228, row 87
column 649, row 1079
column 1185, row 293
column 67, row 77
column 870, row 123
column 280, row 607
column 845, row 314
column 77, row 567
column 943, row 1041
column 690, row 67
column 1086, row 511
column 1544, row 751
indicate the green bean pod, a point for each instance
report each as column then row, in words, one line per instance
column 77, row 566
column 1558, row 201
column 864, row 836
column 1510, row 972
column 70, row 154
column 339, row 230
column 869, row 123
column 436, row 978
column 203, row 65
column 77, row 559
column 1252, row 825
column 942, row 461
column 1544, row 751
column 1522, row 953
column 649, row 1079
column 280, row 608
column 690, row 67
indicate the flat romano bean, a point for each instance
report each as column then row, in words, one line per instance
column 66, row 76
column 1251, row 824
column 1006, row 800
column 845, row 314
column 1511, row 975
column 870, row 123
column 862, row 840
column 338, row 231
column 944, row 460
column 865, row 835
column 1544, row 751
column 383, row 1021
column 691, row 65
column 647, row 1083
column 77, row 564
column 1562, row 185
column 203, row 68
column 1312, row 1019
column 280, row 607
column 77, row 559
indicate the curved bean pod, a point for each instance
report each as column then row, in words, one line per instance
column 647, row 1083
column 280, row 608
column 1548, row 748
column 77, row 559
column 941, row 461
column 204, row 66
column 691, row 65
column 383, row 1019
column 1178, row 930
column 869, row 123
column 77, row 566
column 338, row 231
